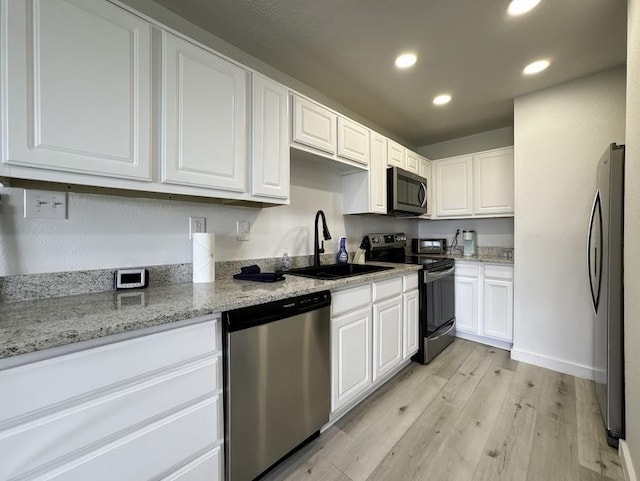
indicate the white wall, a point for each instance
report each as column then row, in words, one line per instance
column 632, row 238
column 109, row 231
column 491, row 139
column 560, row 134
column 496, row 232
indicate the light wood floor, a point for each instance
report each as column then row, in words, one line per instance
column 471, row 415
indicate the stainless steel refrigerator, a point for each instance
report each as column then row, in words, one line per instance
column 605, row 263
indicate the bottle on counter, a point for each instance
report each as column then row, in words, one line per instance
column 286, row 262
column 343, row 256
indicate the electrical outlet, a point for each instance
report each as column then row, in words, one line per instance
column 42, row 204
column 197, row 224
column 243, row 229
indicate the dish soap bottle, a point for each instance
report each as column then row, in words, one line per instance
column 286, row 262
column 343, row 256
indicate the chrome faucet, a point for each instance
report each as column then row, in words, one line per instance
column 317, row 248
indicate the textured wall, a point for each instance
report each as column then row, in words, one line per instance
column 560, row 134
column 109, row 231
column 632, row 236
column 492, row 139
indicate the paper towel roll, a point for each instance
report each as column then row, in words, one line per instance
column 204, row 265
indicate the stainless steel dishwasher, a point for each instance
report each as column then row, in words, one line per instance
column 277, row 375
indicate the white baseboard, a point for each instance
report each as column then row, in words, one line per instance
column 506, row 345
column 555, row 364
column 627, row 464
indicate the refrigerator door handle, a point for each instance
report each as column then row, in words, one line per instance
column 595, row 266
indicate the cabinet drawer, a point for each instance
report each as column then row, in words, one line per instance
column 41, row 440
column 498, row 272
column 208, row 466
column 350, row 299
column 469, row 269
column 149, row 451
column 40, row 384
column 410, row 282
column 387, row 288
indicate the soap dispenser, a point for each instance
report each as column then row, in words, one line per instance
column 343, row 256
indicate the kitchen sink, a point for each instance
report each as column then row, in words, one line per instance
column 336, row 271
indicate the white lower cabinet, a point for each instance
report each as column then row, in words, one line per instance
column 484, row 303
column 135, row 409
column 374, row 331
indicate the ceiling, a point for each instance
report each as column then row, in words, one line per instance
column 470, row 49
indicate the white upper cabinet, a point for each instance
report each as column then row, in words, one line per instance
column 378, row 174
column 270, row 139
column 77, row 96
column 454, row 186
column 313, row 125
column 412, row 163
column 204, row 118
column 396, row 154
column 494, row 182
column 353, row 141
column 426, row 171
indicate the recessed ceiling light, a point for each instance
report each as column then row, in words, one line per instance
column 519, row 7
column 442, row 99
column 406, row 60
column 535, row 67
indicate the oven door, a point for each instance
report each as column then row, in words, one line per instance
column 407, row 192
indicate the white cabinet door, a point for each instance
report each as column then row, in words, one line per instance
column 204, row 118
column 353, row 141
column 426, row 170
column 413, row 162
column 270, row 145
column 77, row 96
column 396, row 154
column 454, row 186
column 466, row 290
column 493, row 172
column 387, row 336
column 410, row 308
column 350, row 356
column 313, row 125
column 498, row 309
column 378, row 174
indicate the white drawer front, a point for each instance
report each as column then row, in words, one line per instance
column 148, row 452
column 207, row 467
column 469, row 269
column 410, row 282
column 40, row 384
column 37, row 441
column 350, row 299
column 387, row 288
column 495, row 271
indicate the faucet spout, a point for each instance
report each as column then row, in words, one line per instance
column 317, row 248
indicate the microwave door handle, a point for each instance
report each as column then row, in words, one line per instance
column 423, row 190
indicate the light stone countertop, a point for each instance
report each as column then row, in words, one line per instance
column 29, row 326
column 490, row 259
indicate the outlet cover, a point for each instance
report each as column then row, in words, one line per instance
column 196, row 225
column 243, row 230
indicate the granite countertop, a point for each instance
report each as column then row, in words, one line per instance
column 492, row 259
column 29, row 326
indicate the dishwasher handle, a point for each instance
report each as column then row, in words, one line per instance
column 252, row 316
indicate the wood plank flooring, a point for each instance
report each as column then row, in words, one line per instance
column 473, row 414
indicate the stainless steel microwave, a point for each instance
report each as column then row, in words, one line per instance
column 406, row 192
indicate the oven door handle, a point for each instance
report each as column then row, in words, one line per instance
column 423, row 189
column 447, row 328
column 434, row 276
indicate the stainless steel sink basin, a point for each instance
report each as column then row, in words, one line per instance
column 336, row 271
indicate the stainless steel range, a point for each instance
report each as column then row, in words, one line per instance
column 437, row 291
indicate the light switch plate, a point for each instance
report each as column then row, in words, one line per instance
column 42, row 204
column 243, row 230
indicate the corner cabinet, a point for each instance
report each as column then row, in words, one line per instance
column 146, row 407
column 77, row 96
column 484, row 303
column 270, row 139
column 204, row 117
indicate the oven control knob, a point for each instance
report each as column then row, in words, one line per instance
column 375, row 240
column 400, row 238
